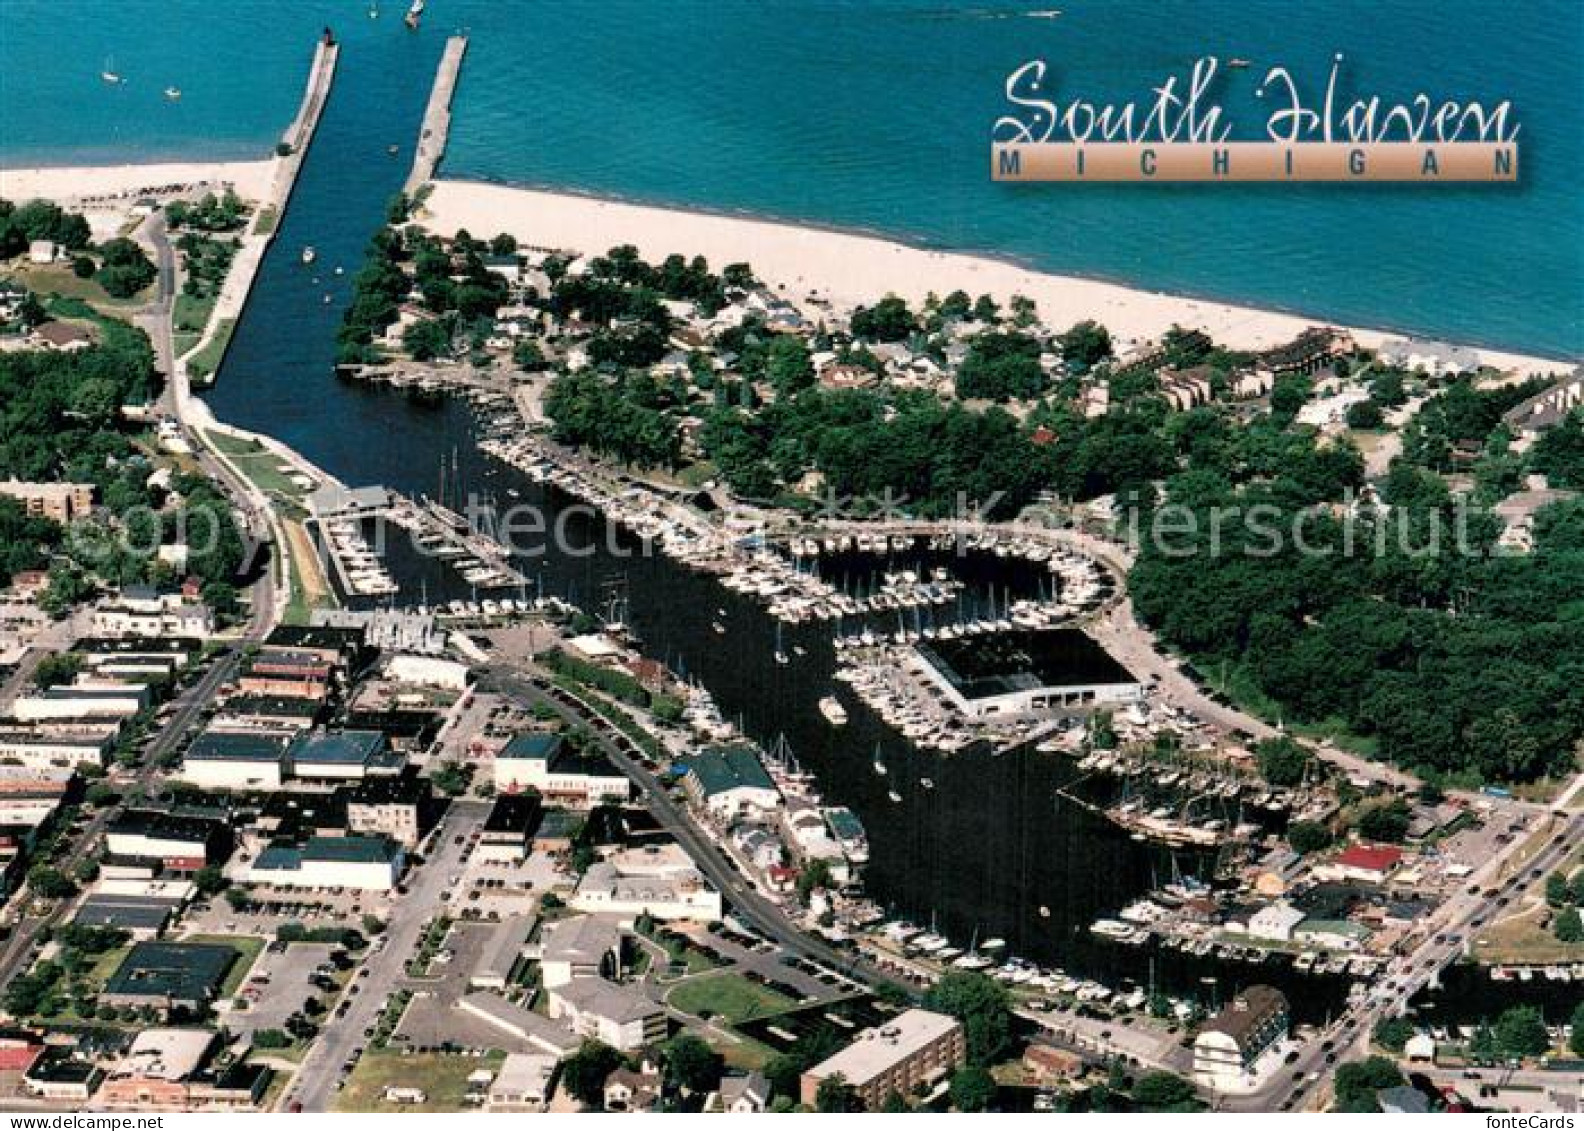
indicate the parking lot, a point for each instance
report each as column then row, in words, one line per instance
column 280, row 982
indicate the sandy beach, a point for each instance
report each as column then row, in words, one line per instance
column 848, row 269
column 64, row 184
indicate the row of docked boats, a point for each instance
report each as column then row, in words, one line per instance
column 1557, row 972
column 362, row 572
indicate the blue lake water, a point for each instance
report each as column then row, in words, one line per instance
column 876, row 115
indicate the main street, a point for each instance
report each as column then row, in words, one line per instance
column 17, row 954
column 314, row 1086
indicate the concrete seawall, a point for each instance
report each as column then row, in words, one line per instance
column 437, row 115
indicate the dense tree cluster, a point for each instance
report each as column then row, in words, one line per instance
column 926, row 457
column 628, row 416
column 124, row 268
column 210, row 213
column 21, row 224
column 1456, row 660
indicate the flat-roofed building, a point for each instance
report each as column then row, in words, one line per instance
column 166, row 975
column 1235, row 1038
column 85, row 700
column 913, row 1049
column 523, row 1082
column 508, row 831
column 360, row 862
column 658, row 881
column 545, row 762
column 37, row 748
column 522, row 1024
column 245, row 760
column 504, row 953
column 154, row 1073
column 60, row 502
column 402, row 808
column 343, row 755
column 179, row 843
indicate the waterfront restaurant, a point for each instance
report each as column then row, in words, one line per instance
column 1025, row 673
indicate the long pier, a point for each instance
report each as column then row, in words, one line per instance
column 261, row 229
column 298, row 137
column 437, row 116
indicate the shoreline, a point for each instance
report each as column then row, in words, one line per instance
column 849, row 267
column 70, row 183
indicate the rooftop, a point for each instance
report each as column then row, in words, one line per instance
column 723, row 768
column 984, row 667
column 1245, row 1014
column 181, row 971
column 875, row 1050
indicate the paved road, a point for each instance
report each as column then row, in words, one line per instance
column 383, row 972
column 752, row 907
column 1445, row 934
column 17, row 954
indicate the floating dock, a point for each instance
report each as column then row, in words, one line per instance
column 437, row 116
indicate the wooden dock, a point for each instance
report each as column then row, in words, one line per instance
column 437, row 116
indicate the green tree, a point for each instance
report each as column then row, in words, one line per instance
column 1520, row 1032
column 972, row 1088
column 1356, row 1083
column 982, row 1005
column 1394, row 1033
column 50, row 882
column 690, row 1065
column 835, row 1094
column 583, row 1074
column 1085, row 345
column 1163, row 1091
column 1557, row 889
column 124, row 269
column 1576, row 1038
column 1568, row 927
column 1283, row 761
column 1308, row 836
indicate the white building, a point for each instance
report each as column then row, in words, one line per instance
column 620, row 1016
column 1275, row 921
column 83, row 700
column 543, row 761
column 37, row 749
column 361, row 863
column 588, row 946
column 731, row 783
column 1235, row 1038
column 430, row 671
column 663, row 884
column 523, row 1082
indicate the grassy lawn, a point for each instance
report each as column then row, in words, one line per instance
column 249, row 947
column 57, row 278
column 203, row 363
column 188, row 319
column 441, row 1077
column 267, row 219
column 267, row 470
column 730, row 997
column 1522, row 940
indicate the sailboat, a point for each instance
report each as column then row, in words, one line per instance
column 414, row 14
column 110, row 74
column 173, row 93
column 780, row 649
column 373, row 9
column 879, row 762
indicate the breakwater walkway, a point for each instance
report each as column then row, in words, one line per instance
column 437, row 116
